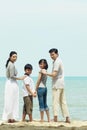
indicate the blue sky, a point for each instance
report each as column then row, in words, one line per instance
column 32, row 27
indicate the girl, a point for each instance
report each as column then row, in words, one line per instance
column 42, row 90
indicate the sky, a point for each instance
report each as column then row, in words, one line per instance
column 32, row 27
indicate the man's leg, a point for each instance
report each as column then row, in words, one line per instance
column 56, row 94
column 63, row 106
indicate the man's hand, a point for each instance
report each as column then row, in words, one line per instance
column 43, row 71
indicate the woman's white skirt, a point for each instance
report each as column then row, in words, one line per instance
column 11, row 101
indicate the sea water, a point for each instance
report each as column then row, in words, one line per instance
column 76, row 97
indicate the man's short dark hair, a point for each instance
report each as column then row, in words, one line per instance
column 28, row 66
column 53, row 50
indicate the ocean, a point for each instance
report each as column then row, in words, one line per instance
column 76, row 96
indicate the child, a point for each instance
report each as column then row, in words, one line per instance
column 28, row 92
column 42, row 90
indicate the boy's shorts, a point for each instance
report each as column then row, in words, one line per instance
column 28, row 105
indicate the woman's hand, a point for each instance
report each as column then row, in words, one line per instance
column 23, row 77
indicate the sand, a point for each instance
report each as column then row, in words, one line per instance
column 36, row 125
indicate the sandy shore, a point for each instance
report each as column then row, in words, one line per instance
column 36, row 125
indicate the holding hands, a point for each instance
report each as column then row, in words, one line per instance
column 34, row 94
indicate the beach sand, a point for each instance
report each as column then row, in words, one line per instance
column 36, row 125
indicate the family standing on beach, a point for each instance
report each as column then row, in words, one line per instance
column 11, row 99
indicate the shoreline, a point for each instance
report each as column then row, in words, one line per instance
column 36, row 125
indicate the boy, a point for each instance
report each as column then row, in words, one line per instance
column 28, row 93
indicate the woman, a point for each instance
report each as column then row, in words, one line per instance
column 11, row 106
column 42, row 90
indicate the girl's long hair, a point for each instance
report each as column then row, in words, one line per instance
column 11, row 53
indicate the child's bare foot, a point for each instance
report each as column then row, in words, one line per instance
column 49, row 120
column 52, row 120
column 41, row 121
column 23, row 120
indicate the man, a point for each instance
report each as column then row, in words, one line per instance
column 58, row 95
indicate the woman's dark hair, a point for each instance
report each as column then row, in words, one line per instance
column 11, row 53
column 28, row 66
column 45, row 62
column 53, row 50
